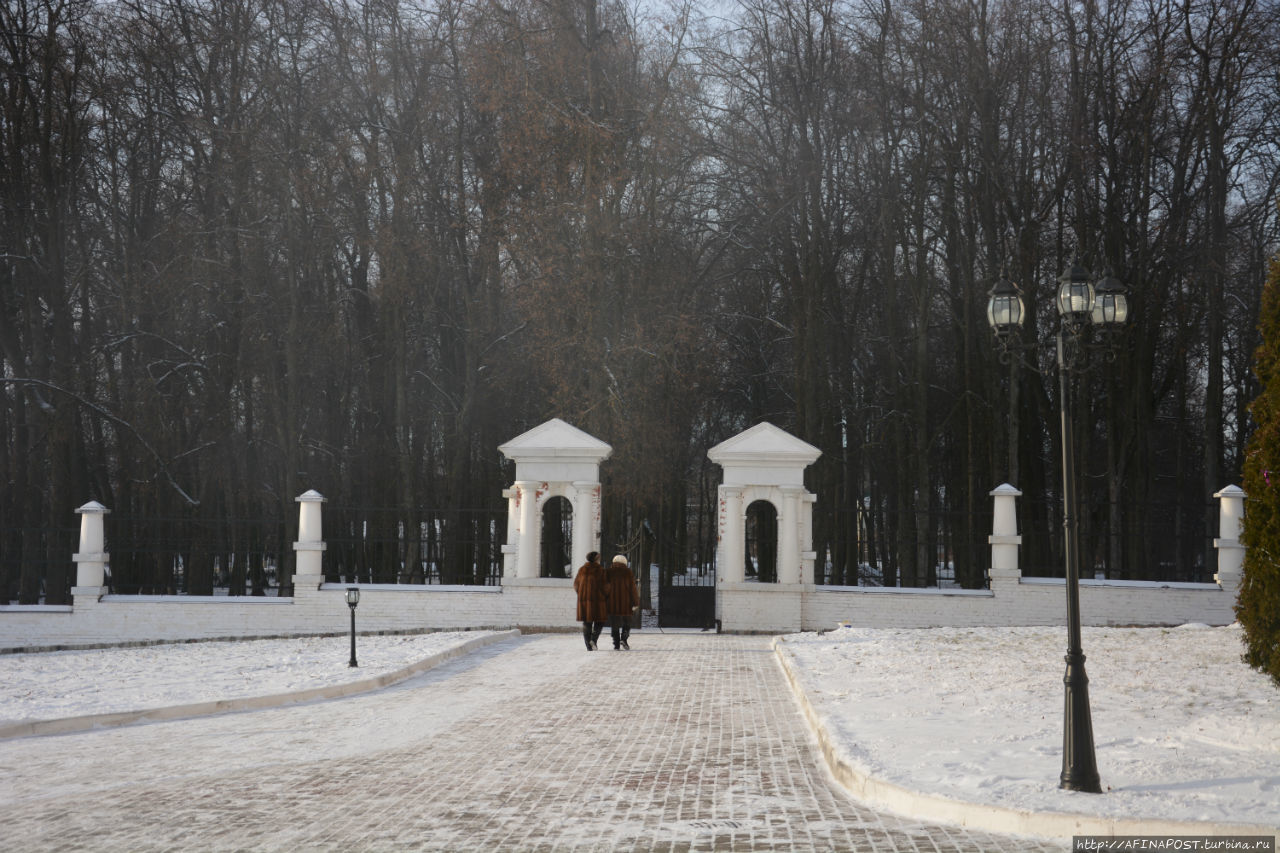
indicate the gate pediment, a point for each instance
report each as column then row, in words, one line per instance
column 764, row 456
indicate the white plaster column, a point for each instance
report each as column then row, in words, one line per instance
column 1230, row 524
column 586, row 521
column 730, row 556
column 527, row 543
column 789, row 535
column 91, row 560
column 310, row 546
column 1004, row 538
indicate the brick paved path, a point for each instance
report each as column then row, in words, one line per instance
column 688, row 742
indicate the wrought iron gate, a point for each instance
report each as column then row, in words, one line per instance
column 687, row 600
column 686, row 597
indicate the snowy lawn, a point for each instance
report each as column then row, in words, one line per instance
column 52, row 685
column 1183, row 729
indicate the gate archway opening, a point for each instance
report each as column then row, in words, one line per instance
column 557, row 538
column 762, row 542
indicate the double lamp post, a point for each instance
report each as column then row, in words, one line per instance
column 1081, row 306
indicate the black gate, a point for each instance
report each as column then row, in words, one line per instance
column 687, row 600
column 686, row 596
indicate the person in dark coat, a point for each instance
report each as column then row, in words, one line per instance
column 622, row 597
column 592, row 610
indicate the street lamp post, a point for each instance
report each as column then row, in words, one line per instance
column 353, row 598
column 1080, row 305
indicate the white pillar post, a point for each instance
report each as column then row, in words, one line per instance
column 91, row 560
column 808, row 556
column 509, row 548
column 1004, row 538
column 730, row 556
column 1230, row 551
column 789, row 535
column 586, row 521
column 527, row 544
column 310, row 546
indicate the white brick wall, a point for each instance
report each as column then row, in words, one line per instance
column 1013, row 601
column 545, row 604
column 549, row 604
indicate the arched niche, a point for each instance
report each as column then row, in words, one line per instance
column 552, row 460
column 765, row 463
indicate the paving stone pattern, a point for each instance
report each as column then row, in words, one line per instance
column 689, row 742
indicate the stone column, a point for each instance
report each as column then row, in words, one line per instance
column 730, row 556
column 586, row 521
column 91, row 560
column 1004, row 538
column 527, row 544
column 1230, row 551
column 789, row 535
column 310, row 546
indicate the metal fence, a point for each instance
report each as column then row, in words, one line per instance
column 873, row 546
column 221, row 556
column 197, row 556
column 423, row 546
column 855, row 546
column 32, row 557
column 1156, row 541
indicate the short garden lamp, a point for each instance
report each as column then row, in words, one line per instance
column 353, row 598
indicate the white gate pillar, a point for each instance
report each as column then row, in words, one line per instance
column 768, row 463
column 1004, row 538
column 91, row 559
column 552, row 459
column 1230, row 550
column 509, row 549
column 310, row 545
column 808, row 556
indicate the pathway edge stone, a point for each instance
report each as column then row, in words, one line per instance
column 87, row 722
column 933, row 807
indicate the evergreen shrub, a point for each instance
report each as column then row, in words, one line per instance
column 1258, row 607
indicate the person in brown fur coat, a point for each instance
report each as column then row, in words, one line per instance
column 622, row 597
column 592, row 610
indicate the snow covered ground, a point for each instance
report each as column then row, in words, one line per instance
column 53, row 685
column 1184, row 730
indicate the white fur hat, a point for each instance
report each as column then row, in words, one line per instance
column 620, row 558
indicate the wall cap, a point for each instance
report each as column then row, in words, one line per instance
column 904, row 590
column 411, row 587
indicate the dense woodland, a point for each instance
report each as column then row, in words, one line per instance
column 254, row 247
